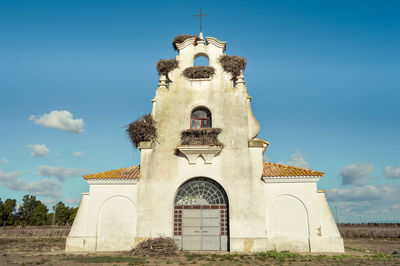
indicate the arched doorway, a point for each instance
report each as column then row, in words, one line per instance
column 201, row 216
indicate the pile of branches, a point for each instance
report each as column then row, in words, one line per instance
column 232, row 64
column 201, row 136
column 166, row 65
column 160, row 246
column 143, row 129
column 183, row 37
column 199, row 72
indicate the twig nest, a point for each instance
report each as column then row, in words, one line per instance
column 164, row 66
column 201, row 136
column 143, row 129
column 232, row 64
column 198, row 72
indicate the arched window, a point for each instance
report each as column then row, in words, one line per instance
column 200, row 118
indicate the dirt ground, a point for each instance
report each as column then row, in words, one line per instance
column 50, row 251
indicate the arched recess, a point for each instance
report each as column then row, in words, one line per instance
column 116, row 224
column 288, row 224
column 201, row 219
column 201, row 59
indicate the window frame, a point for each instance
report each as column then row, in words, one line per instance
column 202, row 119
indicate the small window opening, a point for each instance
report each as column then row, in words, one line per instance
column 201, row 61
column 200, row 118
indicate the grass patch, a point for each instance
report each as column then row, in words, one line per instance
column 355, row 249
column 381, row 256
column 279, row 256
column 107, row 259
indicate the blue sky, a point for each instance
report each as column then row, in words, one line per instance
column 324, row 77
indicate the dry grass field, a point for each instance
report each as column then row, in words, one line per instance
column 45, row 246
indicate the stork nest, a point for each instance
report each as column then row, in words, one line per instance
column 166, row 65
column 201, row 136
column 232, row 64
column 143, row 129
column 160, row 246
column 199, row 72
column 181, row 38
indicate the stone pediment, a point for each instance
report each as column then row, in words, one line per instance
column 207, row 152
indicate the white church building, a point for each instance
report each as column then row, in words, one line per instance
column 210, row 196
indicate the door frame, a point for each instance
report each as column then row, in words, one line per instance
column 224, row 211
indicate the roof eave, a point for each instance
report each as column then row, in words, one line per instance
column 291, row 179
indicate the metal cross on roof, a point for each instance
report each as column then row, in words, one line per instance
column 200, row 15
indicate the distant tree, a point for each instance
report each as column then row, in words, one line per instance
column 8, row 214
column 1, row 212
column 49, row 220
column 32, row 211
column 64, row 215
column 73, row 212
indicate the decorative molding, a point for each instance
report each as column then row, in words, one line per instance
column 216, row 43
column 187, row 42
column 146, row 145
column 291, row 179
column 207, row 152
column 114, row 181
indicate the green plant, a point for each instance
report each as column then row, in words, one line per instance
column 280, row 256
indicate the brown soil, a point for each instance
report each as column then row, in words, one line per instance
column 50, row 251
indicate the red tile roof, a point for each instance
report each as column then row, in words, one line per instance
column 281, row 170
column 132, row 172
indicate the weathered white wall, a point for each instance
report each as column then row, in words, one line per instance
column 106, row 219
column 287, row 223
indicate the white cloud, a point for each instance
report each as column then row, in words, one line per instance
column 355, row 194
column 77, row 154
column 4, row 161
column 366, row 203
column 58, row 172
column 59, row 119
column 392, row 172
column 72, row 202
column 39, row 150
column 356, row 174
column 297, row 159
column 45, row 187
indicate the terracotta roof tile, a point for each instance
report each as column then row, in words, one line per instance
column 132, row 172
column 281, row 170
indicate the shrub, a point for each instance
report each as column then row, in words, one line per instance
column 181, row 38
column 201, row 136
column 143, row 129
column 232, row 64
column 198, row 72
column 166, row 65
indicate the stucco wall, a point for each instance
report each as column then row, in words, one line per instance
column 106, row 219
